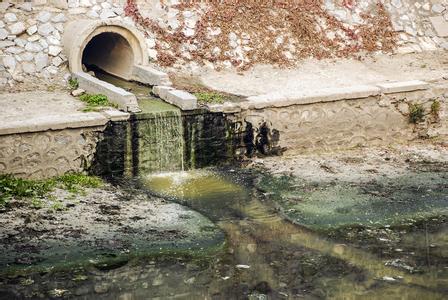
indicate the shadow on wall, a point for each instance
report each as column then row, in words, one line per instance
column 262, row 140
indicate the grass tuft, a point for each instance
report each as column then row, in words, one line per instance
column 209, row 97
column 95, row 102
column 73, row 83
column 435, row 108
column 13, row 187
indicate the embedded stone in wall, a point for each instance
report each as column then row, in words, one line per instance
column 46, row 154
column 17, row 28
column 440, row 25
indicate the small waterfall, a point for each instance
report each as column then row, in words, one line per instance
column 160, row 142
column 161, row 138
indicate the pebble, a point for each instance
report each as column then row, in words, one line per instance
column 31, row 30
column 41, row 60
column 388, row 278
column 3, row 34
column 59, row 18
column 45, row 29
column 77, row 92
column 33, row 47
column 44, row 16
column 54, row 50
column 438, row 8
column 9, row 62
column 106, row 14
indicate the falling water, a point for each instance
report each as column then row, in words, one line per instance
column 156, row 133
column 160, row 142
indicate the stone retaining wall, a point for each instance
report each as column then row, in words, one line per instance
column 50, row 153
column 31, row 32
column 374, row 120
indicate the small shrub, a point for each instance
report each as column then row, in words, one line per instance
column 57, row 206
column 435, row 108
column 94, row 100
column 73, row 83
column 416, row 113
column 209, row 97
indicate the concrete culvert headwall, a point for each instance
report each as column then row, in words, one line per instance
column 110, row 45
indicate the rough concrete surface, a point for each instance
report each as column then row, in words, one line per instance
column 43, row 110
column 316, row 75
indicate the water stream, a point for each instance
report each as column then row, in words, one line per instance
column 257, row 234
column 157, row 131
column 266, row 255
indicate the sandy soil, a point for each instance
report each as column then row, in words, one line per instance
column 319, row 74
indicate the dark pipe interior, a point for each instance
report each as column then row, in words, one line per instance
column 110, row 52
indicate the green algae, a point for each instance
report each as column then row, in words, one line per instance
column 394, row 201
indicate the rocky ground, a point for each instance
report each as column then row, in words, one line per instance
column 98, row 226
column 361, row 164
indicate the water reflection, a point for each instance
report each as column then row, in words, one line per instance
column 256, row 231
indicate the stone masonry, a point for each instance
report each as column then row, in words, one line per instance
column 47, row 154
column 365, row 120
column 30, row 32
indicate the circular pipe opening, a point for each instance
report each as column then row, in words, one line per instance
column 110, row 52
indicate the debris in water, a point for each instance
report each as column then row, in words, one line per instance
column 388, row 278
column 242, row 267
column 398, row 263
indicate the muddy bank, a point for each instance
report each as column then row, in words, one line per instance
column 99, row 226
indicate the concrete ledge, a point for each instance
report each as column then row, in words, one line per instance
column 148, row 75
column 181, row 99
column 115, row 115
column 227, row 107
column 281, row 99
column 161, row 91
column 116, row 95
column 56, row 122
column 403, row 86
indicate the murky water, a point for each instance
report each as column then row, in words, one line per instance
column 266, row 257
column 277, row 253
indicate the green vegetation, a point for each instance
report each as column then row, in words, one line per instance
column 416, row 113
column 95, row 102
column 73, row 83
column 22, row 188
column 12, row 187
column 76, row 182
column 435, row 108
column 209, row 97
